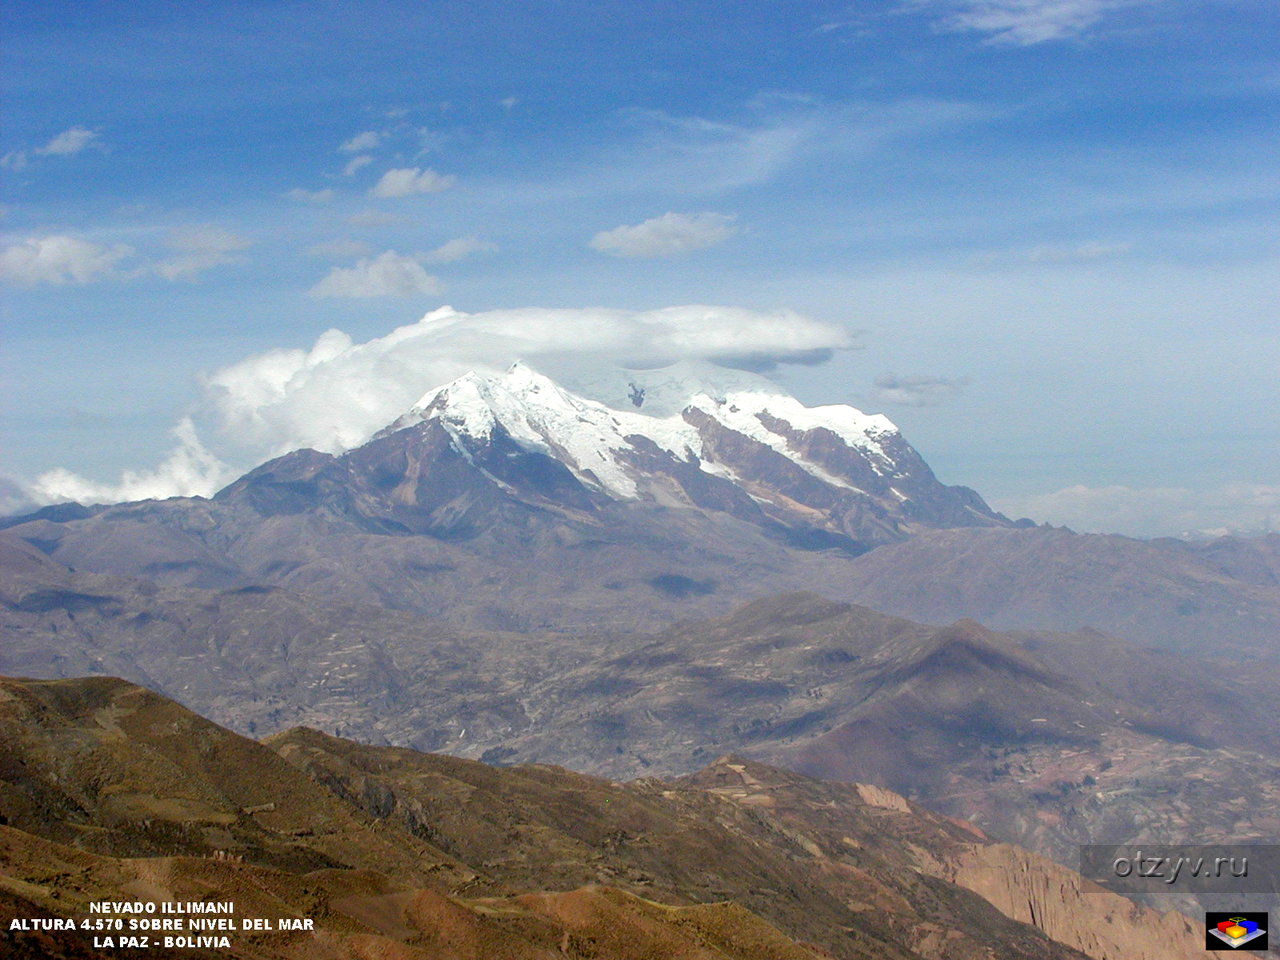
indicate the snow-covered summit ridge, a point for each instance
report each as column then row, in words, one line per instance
column 594, row 438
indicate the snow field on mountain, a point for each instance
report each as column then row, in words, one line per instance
column 587, row 435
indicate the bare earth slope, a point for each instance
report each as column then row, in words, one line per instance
column 394, row 854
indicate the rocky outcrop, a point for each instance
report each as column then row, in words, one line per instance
column 840, row 824
column 1070, row 909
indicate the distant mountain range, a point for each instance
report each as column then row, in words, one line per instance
column 511, row 503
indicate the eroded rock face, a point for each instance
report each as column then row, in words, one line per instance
column 1070, row 909
column 827, row 821
column 874, row 796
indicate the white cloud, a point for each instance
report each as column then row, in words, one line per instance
column 668, row 235
column 1024, row 22
column 697, row 155
column 408, row 181
column 430, row 140
column 199, row 249
column 339, row 393
column 508, row 102
column 340, row 250
column 369, row 140
column 1155, row 511
column 311, row 196
column 916, row 391
column 68, row 142
column 58, row 259
column 190, row 470
column 356, row 164
column 697, row 158
column 387, row 275
column 458, row 249
column 62, row 259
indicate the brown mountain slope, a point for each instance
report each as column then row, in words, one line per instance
column 615, row 567
column 115, row 769
column 311, row 526
column 848, row 846
column 364, row 915
column 1049, row 740
column 438, row 857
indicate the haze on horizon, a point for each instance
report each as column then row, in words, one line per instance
column 1038, row 235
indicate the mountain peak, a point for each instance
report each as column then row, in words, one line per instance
column 705, row 436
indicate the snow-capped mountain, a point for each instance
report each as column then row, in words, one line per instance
column 698, row 436
column 508, row 500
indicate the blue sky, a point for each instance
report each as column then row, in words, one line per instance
column 1039, row 234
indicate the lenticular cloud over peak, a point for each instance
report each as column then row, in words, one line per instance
column 336, row 394
column 339, row 393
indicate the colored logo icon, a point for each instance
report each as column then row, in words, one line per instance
column 1235, row 931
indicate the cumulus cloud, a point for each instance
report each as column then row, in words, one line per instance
column 59, row 259
column 459, row 249
column 916, row 391
column 668, row 235
column 311, row 196
column 190, row 470
column 1234, row 508
column 62, row 259
column 387, row 275
column 339, row 393
column 1023, row 22
column 410, row 180
column 356, row 164
column 361, row 142
column 68, row 142
column 199, row 249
